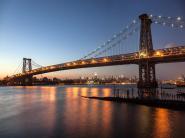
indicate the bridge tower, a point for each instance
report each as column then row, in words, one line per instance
column 27, row 66
column 147, row 79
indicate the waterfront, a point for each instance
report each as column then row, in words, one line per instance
column 47, row 112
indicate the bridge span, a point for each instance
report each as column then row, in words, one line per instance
column 146, row 57
column 167, row 55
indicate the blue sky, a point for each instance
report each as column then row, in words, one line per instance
column 56, row 31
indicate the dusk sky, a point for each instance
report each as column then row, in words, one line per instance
column 56, row 31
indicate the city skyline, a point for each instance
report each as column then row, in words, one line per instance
column 48, row 32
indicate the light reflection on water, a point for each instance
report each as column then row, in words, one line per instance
column 162, row 124
column 61, row 112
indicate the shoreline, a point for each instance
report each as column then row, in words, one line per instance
column 167, row 104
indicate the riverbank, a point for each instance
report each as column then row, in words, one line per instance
column 169, row 104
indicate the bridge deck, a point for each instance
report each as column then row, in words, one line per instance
column 167, row 55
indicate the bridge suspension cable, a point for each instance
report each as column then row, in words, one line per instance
column 18, row 69
column 173, row 22
column 34, row 64
column 115, row 39
column 118, row 42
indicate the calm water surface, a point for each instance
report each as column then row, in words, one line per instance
column 49, row 112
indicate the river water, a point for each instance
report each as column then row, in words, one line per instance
column 49, row 112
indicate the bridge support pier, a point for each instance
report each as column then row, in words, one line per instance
column 147, row 81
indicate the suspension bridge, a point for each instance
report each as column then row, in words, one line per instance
column 112, row 53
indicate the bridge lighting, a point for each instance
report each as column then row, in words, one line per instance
column 169, row 17
column 172, row 25
column 164, row 23
column 68, row 64
column 156, row 22
column 134, row 21
column 181, row 26
column 93, row 61
column 158, row 53
column 52, row 67
column 151, row 15
column 105, row 60
column 159, row 16
column 143, row 54
column 178, row 18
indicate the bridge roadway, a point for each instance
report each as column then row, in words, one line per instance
column 167, row 55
